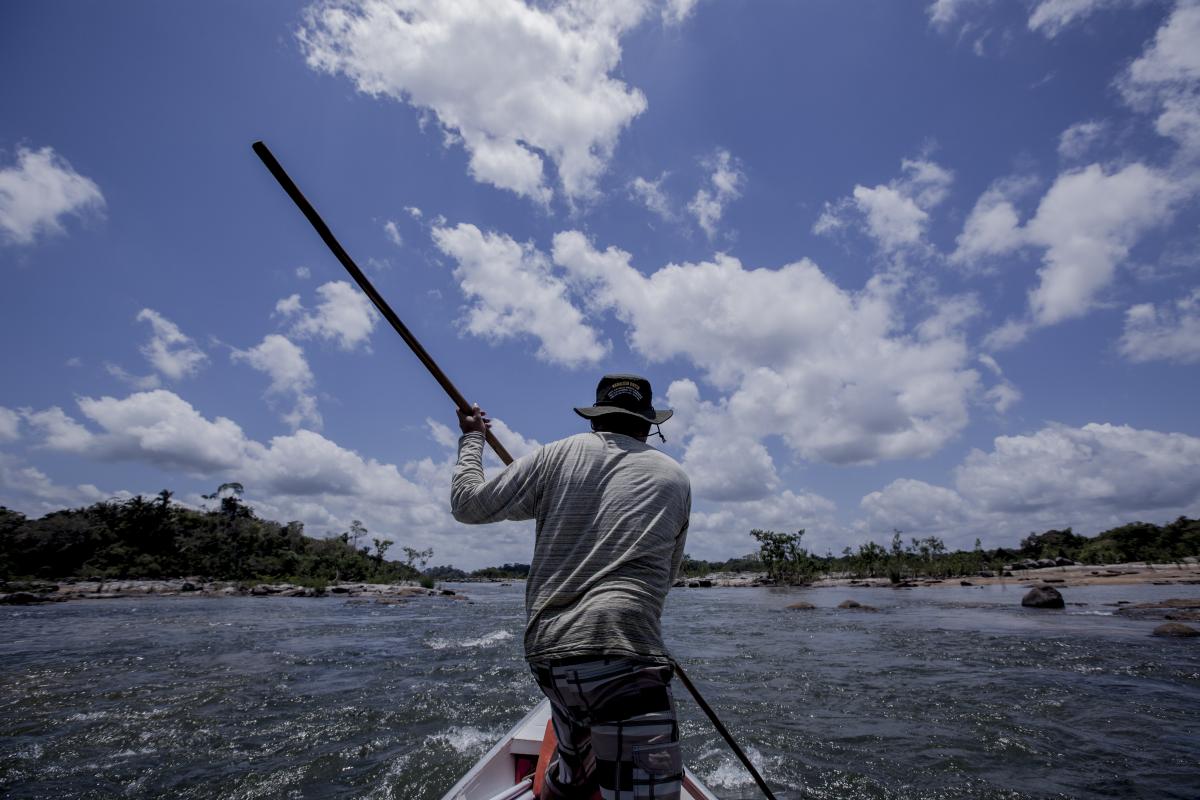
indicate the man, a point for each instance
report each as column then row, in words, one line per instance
column 612, row 517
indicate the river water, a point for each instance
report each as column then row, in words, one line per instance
column 942, row 693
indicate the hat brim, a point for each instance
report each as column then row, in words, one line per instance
column 591, row 412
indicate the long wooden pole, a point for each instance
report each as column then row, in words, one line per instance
column 721, row 729
column 332, row 243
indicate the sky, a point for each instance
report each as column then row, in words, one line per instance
column 920, row 266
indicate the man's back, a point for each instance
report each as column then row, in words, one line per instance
column 611, row 525
column 611, row 517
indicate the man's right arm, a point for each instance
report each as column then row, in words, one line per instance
column 513, row 494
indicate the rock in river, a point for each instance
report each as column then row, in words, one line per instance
column 802, row 606
column 1043, row 597
column 1175, row 629
column 856, row 605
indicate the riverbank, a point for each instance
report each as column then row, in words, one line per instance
column 28, row 592
column 1065, row 576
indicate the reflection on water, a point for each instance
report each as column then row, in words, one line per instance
column 941, row 693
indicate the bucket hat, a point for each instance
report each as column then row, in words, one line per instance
column 625, row 394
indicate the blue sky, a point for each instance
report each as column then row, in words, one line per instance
column 926, row 266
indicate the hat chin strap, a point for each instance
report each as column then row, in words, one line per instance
column 660, row 433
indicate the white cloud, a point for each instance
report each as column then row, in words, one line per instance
column 1088, row 221
column 344, row 316
column 1166, row 77
column 1163, row 333
column 726, row 180
column 515, row 83
column 393, row 233
column 1075, row 142
column 944, row 13
column 284, row 362
column 158, row 427
column 414, row 212
column 513, row 292
column 31, row 490
column 1086, row 224
column 676, row 11
column 169, row 350
column 303, row 273
column 895, row 214
column 717, row 533
column 140, row 382
column 10, row 425
column 38, row 192
column 1091, row 478
column 992, row 229
column 868, row 391
column 1002, row 395
column 651, row 195
column 1051, row 17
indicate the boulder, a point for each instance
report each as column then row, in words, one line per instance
column 188, row 586
column 986, row 573
column 339, row 589
column 1046, row 563
column 1175, row 629
column 448, row 592
column 1063, row 562
column 965, row 583
column 23, row 599
column 856, row 605
column 1043, row 597
column 261, row 590
column 802, row 606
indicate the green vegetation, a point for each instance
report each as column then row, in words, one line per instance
column 784, row 561
column 142, row 538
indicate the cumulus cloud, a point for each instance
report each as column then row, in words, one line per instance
column 393, row 233
column 676, row 11
column 344, row 316
column 1076, row 141
column 1170, row 332
column 142, row 382
column 10, row 425
column 27, row 488
column 1085, row 224
column 651, row 195
column 718, row 532
column 1091, row 478
column 1002, row 395
column 514, row 293
column 1051, row 17
column 38, row 192
column 726, row 180
column 169, row 350
column 895, row 214
column 1166, row 78
column 516, row 84
column 867, row 392
column 284, row 362
column 303, row 273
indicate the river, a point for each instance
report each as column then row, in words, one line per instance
column 941, row 693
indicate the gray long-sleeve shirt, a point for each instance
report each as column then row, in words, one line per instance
column 612, row 517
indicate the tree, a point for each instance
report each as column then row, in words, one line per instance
column 416, row 559
column 786, row 561
column 381, row 548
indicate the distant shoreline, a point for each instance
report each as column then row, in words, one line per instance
column 33, row 592
column 1061, row 577
column 1133, row 573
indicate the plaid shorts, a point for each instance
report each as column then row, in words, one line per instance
column 616, row 728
